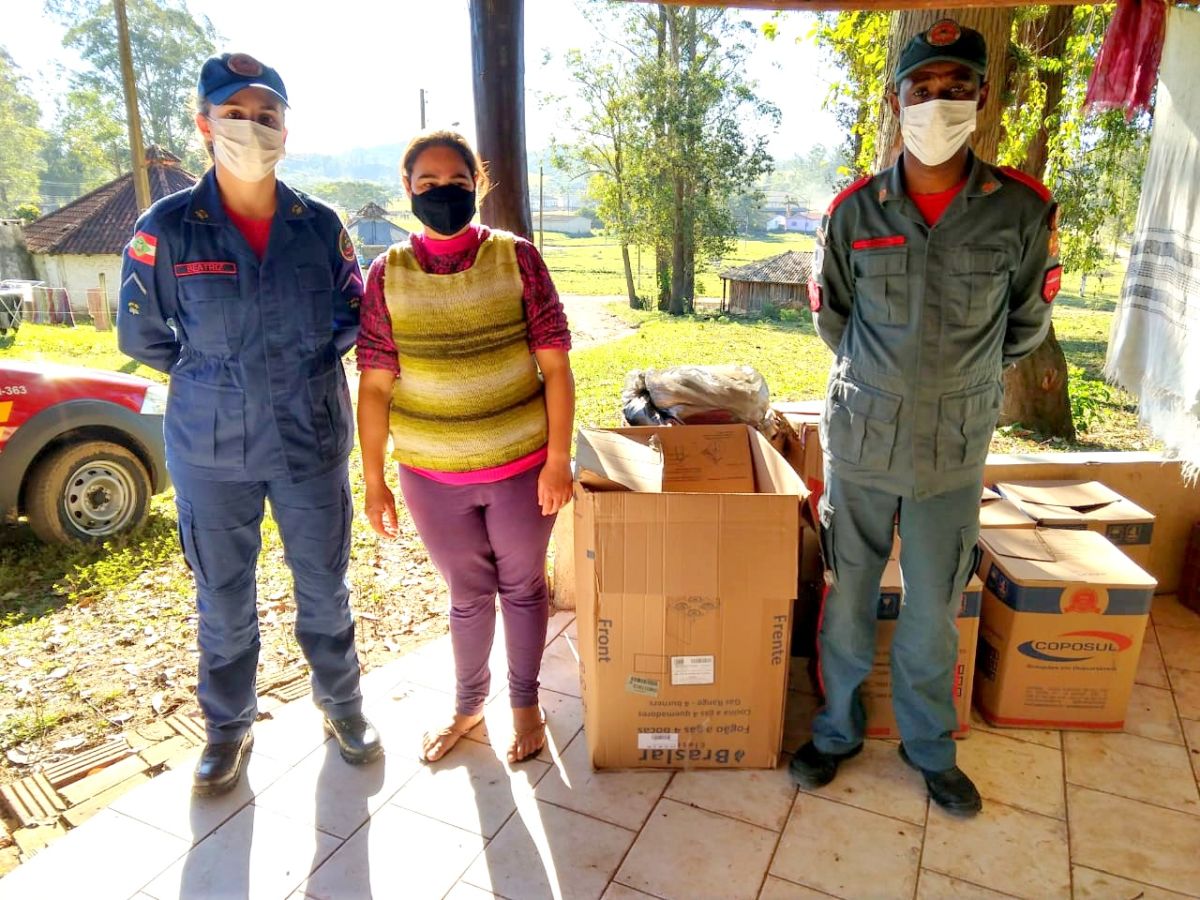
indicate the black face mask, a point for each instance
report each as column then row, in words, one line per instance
column 447, row 209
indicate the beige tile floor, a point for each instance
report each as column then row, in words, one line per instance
column 1066, row 815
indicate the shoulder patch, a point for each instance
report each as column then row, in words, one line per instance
column 346, row 246
column 840, row 198
column 1028, row 180
column 143, row 247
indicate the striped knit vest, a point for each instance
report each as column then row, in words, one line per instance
column 469, row 395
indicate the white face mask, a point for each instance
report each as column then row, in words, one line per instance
column 935, row 130
column 248, row 150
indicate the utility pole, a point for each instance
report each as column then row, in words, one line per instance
column 422, row 109
column 541, row 207
column 137, row 147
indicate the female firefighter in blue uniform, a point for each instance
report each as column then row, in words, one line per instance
column 246, row 292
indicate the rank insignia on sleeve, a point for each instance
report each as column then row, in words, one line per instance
column 1051, row 284
column 133, row 309
column 202, row 214
column 297, row 209
column 143, row 247
column 346, row 246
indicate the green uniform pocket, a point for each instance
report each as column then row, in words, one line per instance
column 966, row 420
column 861, row 424
column 881, row 285
column 979, row 285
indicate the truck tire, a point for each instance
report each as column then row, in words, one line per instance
column 87, row 492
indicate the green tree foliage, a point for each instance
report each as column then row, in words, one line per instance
column 21, row 139
column 858, row 40
column 670, row 95
column 168, row 45
column 351, row 195
column 605, row 149
column 88, row 146
column 28, row 212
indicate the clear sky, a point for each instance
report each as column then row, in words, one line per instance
column 354, row 68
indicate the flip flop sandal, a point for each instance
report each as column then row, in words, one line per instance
column 431, row 740
column 520, row 735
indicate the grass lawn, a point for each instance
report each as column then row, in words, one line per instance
column 593, row 266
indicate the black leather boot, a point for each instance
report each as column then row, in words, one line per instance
column 221, row 766
column 812, row 768
column 357, row 739
column 950, row 789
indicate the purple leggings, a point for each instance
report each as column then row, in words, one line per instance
column 487, row 539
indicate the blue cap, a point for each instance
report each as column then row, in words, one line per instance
column 223, row 76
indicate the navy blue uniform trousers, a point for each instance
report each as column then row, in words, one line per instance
column 938, row 535
column 220, row 526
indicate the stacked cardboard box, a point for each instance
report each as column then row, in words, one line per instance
column 1086, row 505
column 1063, row 618
column 998, row 512
column 876, row 691
column 686, row 554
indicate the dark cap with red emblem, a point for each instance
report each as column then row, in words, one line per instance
column 945, row 41
column 223, row 76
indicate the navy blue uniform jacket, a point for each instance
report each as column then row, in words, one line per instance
column 253, row 348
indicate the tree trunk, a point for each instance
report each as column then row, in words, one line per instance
column 662, row 277
column 1035, row 389
column 498, row 63
column 1047, row 36
column 995, row 24
column 678, row 252
column 630, row 288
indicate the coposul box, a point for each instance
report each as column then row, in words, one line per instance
column 686, row 556
column 876, row 691
column 1061, row 629
column 1085, row 505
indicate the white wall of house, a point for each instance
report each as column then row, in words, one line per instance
column 576, row 226
column 78, row 274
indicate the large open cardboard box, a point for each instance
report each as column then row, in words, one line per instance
column 686, row 557
column 1064, row 613
column 1085, row 505
column 876, row 691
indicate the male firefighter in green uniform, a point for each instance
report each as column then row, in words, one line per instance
column 929, row 279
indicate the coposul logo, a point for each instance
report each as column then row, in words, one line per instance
column 1076, row 646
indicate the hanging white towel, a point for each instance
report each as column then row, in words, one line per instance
column 1154, row 348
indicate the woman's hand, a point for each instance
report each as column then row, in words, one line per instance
column 381, row 510
column 554, row 486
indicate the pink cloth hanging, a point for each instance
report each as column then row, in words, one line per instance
column 1127, row 67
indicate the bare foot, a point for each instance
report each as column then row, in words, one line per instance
column 436, row 744
column 529, row 733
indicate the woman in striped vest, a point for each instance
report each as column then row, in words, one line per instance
column 463, row 354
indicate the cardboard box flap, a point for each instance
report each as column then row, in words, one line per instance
column 609, row 460
column 1081, row 496
column 1051, row 556
column 699, row 459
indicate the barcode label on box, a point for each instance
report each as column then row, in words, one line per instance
column 658, row 740
column 635, row 684
column 692, row 669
